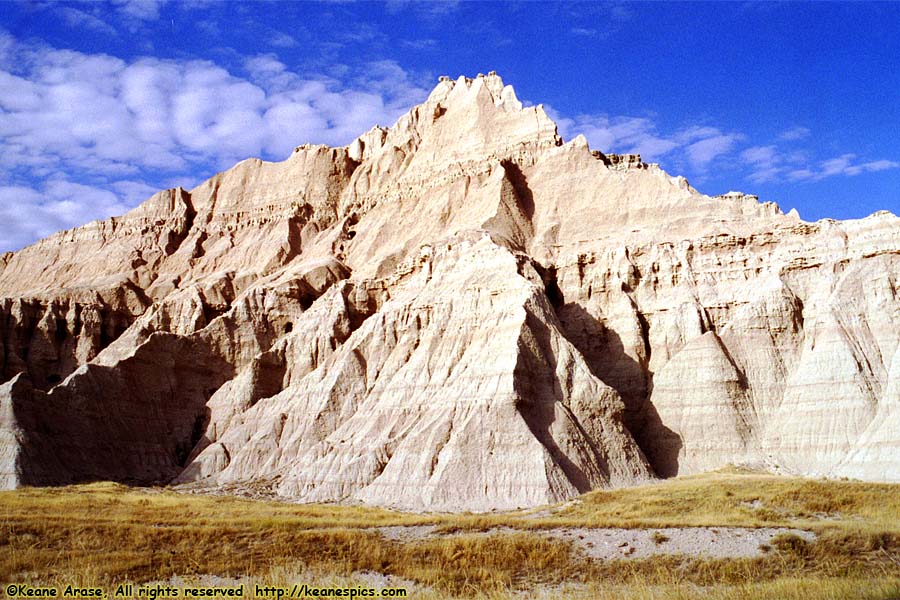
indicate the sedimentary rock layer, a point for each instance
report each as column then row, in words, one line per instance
column 461, row 311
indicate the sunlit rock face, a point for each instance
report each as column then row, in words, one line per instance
column 460, row 312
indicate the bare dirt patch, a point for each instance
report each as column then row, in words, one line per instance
column 620, row 543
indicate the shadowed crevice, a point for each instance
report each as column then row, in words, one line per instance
column 605, row 355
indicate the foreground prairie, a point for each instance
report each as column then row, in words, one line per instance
column 847, row 542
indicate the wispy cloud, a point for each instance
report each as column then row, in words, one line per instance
column 420, row 44
column 80, row 19
column 360, row 33
column 598, row 19
column 702, row 152
column 844, row 165
column 282, row 40
column 429, row 9
column 210, row 27
column 765, row 162
column 769, row 164
column 700, row 145
column 795, row 133
column 140, row 10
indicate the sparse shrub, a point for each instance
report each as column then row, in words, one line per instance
column 768, row 515
column 881, row 541
column 791, row 543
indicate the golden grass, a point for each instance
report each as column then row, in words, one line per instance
column 119, row 533
column 102, row 534
column 719, row 499
column 745, row 500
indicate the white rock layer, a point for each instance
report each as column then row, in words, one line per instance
column 460, row 312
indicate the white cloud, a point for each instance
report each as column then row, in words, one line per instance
column 700, row 144
column 420, row 44
column 833, row 166
column 7, row 49
column 801, row 174
column 27, row 214
column 431, row 9
column 282, row 40
column 760, row 155
column 101, row 114
column 878, row 165
column 697, row 132
column 439, row 8
column 360, row 33
column 80, row 19
column 765, row 162
column 133, row 193
column 140, row 10
column 795, row 133
column 100, row 119
column 615, row 134
column 843, row 165
column 701, row 153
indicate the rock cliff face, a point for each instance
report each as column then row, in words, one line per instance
column 459, row 312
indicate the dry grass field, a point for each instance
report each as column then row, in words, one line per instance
column 104, row 534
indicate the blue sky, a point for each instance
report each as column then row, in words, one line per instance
column 101, row 104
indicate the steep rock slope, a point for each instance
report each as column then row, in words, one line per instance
column 459, row 312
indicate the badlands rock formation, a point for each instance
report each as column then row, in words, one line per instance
column 459, row 312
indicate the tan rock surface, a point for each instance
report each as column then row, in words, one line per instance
column 459, row 312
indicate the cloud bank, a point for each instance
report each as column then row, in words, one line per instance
column 82, row 134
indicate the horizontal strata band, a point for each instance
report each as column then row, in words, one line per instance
column 462, row 311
